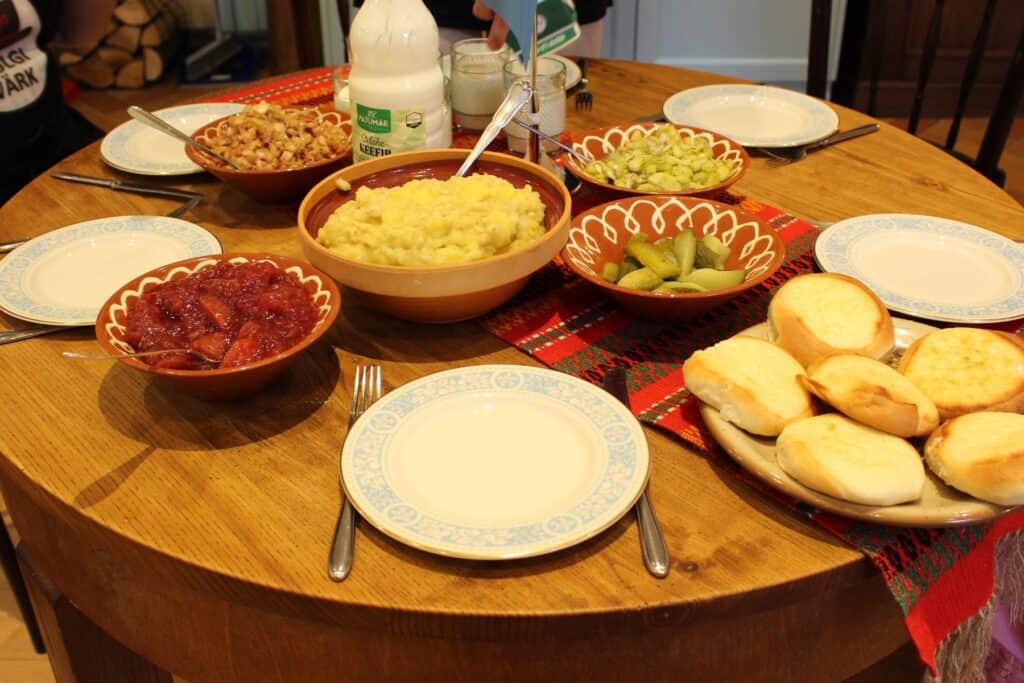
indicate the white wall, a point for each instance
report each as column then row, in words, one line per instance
column 762, row 40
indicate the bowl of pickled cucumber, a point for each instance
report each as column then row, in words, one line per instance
column 658, row 158
column 669, row 257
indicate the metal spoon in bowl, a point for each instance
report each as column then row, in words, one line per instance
column 517, row 96
column 137, row 354
column 143, row 116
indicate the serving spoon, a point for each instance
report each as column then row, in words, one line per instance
column 155, row 122
column 137, row 354
column 517, row 96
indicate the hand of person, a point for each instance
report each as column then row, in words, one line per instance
column 499, row 29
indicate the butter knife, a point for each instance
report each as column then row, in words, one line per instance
column 652, row 542
column 115, row 184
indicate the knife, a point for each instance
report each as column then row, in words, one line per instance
column 126, row 187
column 652, row 542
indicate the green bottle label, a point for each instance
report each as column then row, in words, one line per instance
column 373, row 120
column 380, row 132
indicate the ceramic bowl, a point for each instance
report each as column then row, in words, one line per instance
column 220, row 383
column 599, row 236
column 272, row 187
column 444, row 293
column 601, row 142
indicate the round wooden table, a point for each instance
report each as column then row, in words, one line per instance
column 161, row 533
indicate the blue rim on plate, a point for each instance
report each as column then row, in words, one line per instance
column 398, row 465
column 120, row 146
column 814, row 119
column 929, row 267
column 63, row 277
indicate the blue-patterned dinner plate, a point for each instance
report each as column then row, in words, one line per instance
column 495, row 462
column 63, row 277
column 753, row 115
column 136, row 148
column 929, row 267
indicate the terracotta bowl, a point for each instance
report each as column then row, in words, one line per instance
column 599, row 236
column 272, row 187
column 221, row 383
column 601, row 142
column 444, row 293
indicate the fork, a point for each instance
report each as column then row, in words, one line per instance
column 584, row 98
column 365, row 390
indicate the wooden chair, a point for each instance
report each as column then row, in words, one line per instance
column 861, row 17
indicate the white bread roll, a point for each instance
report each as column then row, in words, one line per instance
column 844, row 459
column 873, row 393
column 751, row 382
column 819, row 314
column 981, row 454
column 966, row 369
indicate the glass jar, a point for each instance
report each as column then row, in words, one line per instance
column 550, row 93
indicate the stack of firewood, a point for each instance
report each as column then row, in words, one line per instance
column 139, row 45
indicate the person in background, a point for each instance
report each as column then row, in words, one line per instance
column 36, row 128
column 459, row 19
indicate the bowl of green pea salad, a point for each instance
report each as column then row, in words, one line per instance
column 658, row 158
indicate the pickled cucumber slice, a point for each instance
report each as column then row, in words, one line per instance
column 628, row 265
column 610, row 272
column 665, row 243
column 685, row 248
column 674, row 287
column 644, row 279
column 711, row 253
column 710, row 279
column 653, row 258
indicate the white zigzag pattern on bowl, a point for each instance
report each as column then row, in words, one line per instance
column 615, row 138
column 583, row 250
column 119, row 310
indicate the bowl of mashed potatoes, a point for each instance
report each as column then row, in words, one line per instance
column 412, row 240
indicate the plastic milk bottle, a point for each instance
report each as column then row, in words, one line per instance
column 396, row 87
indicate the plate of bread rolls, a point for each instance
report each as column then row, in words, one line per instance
column 843, row 407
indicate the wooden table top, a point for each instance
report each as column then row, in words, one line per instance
column 240, row 500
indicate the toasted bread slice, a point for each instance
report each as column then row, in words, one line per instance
column 820, row 314
column 981, row 454
column 966, row 369
column 872, row 393
column 845, row 459
column 751, row 382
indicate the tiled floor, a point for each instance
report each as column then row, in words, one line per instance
column 18, row 661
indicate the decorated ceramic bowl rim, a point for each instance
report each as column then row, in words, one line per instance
column 776, row 247
column 603, row 134
column 344, row 122
column 549, row 231
column 324, row 298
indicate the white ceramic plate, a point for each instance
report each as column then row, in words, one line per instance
column 63, row 277
column 939, row 505
column 753, row 115
column 572, row 71
column 137, row 148
column 495, row 462
column 929, row 267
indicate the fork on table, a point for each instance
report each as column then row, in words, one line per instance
column 365, row 390
column 584, row 98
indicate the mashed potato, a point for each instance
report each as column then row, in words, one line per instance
column 434, row 222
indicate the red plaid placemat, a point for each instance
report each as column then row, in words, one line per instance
column 940, row 578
